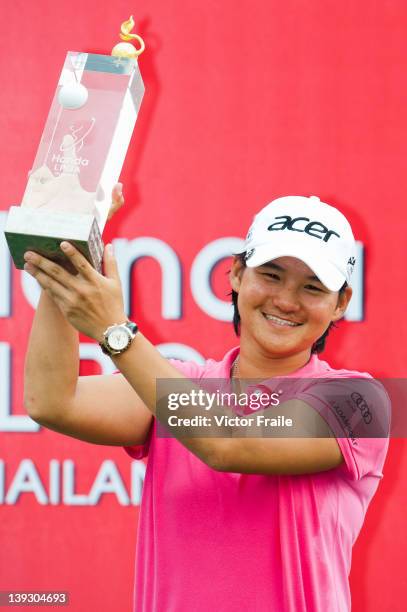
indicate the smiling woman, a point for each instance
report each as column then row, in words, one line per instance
column 288, row 487
column 272, row 270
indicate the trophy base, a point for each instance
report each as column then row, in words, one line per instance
column 30, row 229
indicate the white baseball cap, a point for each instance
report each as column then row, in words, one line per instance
column 308, row 229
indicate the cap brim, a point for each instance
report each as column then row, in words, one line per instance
column 314, row 258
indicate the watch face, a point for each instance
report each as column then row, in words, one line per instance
column 118, row 338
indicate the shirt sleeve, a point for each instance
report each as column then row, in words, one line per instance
column 357, row 411
column 141, row 450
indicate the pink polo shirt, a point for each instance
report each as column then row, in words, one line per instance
column 211, row 540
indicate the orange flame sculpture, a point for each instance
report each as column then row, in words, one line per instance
column 127, row 49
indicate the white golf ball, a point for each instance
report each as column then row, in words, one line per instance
column 72, row 96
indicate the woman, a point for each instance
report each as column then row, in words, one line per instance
column 243, row 520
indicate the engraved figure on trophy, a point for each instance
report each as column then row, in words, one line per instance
column 61, row 190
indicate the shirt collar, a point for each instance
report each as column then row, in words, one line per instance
column 312, row 367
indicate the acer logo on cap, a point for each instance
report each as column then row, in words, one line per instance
column 330, row 255
column 316, row 229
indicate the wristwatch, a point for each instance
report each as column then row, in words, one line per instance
column 117, row 338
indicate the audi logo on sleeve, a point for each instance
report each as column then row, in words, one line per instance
column 363, row 407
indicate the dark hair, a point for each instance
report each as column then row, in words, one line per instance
column 317, row 347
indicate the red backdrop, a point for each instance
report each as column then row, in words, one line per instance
column 244, row 102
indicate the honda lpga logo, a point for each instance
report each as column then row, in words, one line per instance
column 68, row 161
column 361, row 403
column 312, row 228
column 78, row 136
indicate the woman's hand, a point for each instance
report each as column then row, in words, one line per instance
column 117, row 200
column 89, row 301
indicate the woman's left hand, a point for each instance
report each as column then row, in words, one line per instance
column 117, row 200
column 89, row 301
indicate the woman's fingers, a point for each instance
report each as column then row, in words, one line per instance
column 48, row 283
column 79, row 261
column 117, row 200
column 42, row 265
column 50, row 268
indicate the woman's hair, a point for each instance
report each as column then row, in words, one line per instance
column 317, row 347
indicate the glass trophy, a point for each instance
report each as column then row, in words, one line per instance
column 80, row 155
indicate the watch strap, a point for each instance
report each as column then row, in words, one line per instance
column 132, row 327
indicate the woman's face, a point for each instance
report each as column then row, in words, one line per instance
column 283, row 306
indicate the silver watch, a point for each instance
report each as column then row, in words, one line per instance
column 117, row 338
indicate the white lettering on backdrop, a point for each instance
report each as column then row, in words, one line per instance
column 59, row 486
column 128, row 253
